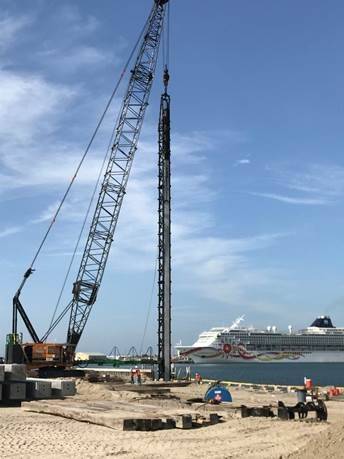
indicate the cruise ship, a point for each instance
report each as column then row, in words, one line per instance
column 320, row 342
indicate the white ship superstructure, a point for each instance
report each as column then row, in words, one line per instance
column 320, row 342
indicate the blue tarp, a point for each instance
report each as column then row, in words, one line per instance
column 218, row 394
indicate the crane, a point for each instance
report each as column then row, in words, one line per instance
column 39, row 353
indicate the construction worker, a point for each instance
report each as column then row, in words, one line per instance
column 198, row 378
column 138, row 376
column 132, row 375
column 173, row 371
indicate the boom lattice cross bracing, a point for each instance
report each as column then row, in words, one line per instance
column 116, row 176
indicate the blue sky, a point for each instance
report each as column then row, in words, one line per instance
column 258, row 173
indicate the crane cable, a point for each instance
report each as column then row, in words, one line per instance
column 81, row 231
column 166, row 59
column 166, row 40
column 101, row 119
column 149, row 308
column 96, row 185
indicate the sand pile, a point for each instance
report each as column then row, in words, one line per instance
column 88, row 391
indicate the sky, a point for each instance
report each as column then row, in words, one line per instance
column 257, row 163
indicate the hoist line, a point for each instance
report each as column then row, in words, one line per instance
column 168, row 35
column 166, row 40
column 51, row 327
column 136, row 82
column 88, row 146
column 149, row 308
column 81, row 232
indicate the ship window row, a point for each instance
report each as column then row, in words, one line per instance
column 300, row 348
column 297, row 339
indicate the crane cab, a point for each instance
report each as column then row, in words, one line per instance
column 38, row 355
column 34, row 355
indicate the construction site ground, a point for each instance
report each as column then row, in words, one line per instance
column 27, row 434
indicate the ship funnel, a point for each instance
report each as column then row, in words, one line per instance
column 274, row 329
column 290, row 328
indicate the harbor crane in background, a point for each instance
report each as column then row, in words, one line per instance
column 41, row 354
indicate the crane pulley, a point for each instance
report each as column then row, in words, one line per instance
column 105, row 218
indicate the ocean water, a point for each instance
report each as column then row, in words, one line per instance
column 322, row 374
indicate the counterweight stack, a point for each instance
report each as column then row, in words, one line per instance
column 164, row 234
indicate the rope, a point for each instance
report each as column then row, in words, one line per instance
column 82, row 229
column 168, row 35
column 149, row 308
column 166, row 40
column 88, row 146
column 97, row 182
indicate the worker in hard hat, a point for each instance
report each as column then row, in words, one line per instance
column 132, row 375
column 138, row 375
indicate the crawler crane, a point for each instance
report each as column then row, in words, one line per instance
column 42, row 354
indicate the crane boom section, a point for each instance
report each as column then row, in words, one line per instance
column 116, row 177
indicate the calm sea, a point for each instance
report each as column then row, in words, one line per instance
column 322, row 374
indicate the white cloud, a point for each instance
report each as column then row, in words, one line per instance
column 35, row 156
column 70, row 60
column 9, row 28
column 294, row 200
column 28, row 106
column 216, row 268
column 30, row 112
column 319, row 179
column 313, row 185
column 77, row 23
column 9, row 231
column 221, row 268
column 243, row 161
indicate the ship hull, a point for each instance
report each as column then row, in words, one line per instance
column 241, row 355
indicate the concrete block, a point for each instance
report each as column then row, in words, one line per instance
column 142, row 424
column 14, row 391
column 38, row 389
column 129, row 424
column 137, row 424
column 2, row 373
column 168, row 423
column 214, row 418
column 184, row 421
column 15, row 372
column 157, row 424
column 63, row 387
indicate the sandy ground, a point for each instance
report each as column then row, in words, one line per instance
column 31, row 435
